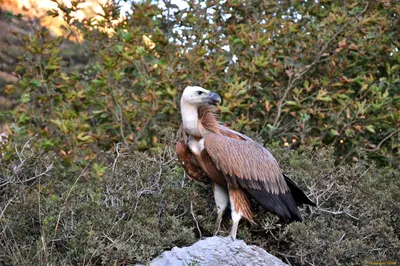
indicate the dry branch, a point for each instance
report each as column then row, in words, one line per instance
column 295, row 77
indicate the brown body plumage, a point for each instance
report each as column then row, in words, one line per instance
column 237, row 167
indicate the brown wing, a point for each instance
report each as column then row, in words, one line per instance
column 299, row 196
column 189, row 163
column 248, row 165
column 226, row 131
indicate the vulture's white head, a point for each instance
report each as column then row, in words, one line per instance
column 197, row 96
column 192, row 99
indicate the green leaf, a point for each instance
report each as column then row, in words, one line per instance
column 334, row 132
column 99, row 82
column 36, row 83
column 292, row 103
column 99, row 169
column 25, row 98
column 82, row 137
column 52, row 67
column 324, row 99
column 306, row 84
column 47, row 144
column 370, row 128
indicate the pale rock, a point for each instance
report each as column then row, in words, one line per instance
column 217, row 251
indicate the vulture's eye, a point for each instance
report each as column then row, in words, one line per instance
column 199, row 92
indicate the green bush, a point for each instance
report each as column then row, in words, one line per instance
column 130, row 212
column 140, row 204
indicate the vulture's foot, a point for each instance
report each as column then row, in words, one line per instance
column 234, row 230
column 219, row 220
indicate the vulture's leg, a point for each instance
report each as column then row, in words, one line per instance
column 221, row 200
column 236, row 216
column 240, row 206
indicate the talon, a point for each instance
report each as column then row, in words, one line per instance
column 234, row 230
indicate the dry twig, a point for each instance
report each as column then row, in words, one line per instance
column 195, row 219
column 339, row 212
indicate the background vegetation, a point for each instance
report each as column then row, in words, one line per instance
column 89, row 175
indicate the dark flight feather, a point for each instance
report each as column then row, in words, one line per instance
column 297, row 193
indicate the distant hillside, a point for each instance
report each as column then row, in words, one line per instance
column 10, row 50
column 11, row 47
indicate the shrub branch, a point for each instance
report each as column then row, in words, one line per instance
column 297, row 76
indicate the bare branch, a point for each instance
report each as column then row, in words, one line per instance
column 297, row 76
column 48, row 168
column 195, row 219
column 117, row 149
column 341, row 238
column 382, row 141
column 5, row 207
column 67, row 197
column 13, row 177
column 288, row 89
column 20, row 154
column 338, row 213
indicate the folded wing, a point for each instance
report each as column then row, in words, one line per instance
column 248, row 165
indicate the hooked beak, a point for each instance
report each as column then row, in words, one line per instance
column 213, row 98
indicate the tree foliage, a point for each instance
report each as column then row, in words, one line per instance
column 316, row 73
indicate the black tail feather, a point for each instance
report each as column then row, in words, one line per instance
column 282, row 205
column 297, row 193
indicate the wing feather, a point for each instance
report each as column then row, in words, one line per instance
column 246, row 164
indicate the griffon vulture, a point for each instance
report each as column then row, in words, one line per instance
column 237, row 167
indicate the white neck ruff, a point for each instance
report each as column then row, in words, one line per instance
column 190, row 119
